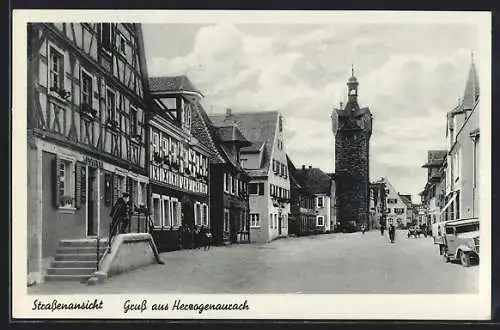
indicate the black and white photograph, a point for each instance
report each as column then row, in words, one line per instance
column 306, row 165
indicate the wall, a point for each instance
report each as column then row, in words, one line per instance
column 325, row 212
column 250, row 161
column 468, row 195
column 351, row 171
column 57, row 224
column 33, row 207
column 260, row 204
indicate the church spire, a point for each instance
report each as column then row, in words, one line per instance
column 471, row 92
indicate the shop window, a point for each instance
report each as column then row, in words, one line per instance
column 254, row 220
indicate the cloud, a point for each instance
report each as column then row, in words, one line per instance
column 408, row 77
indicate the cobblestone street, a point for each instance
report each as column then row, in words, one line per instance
column 334, row 263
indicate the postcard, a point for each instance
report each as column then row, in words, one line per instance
column 251, row 165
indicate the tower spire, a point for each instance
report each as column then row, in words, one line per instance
column 352, row 69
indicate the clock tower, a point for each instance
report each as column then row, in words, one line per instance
column 352, row 128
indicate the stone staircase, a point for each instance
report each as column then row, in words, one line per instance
column 75, row 260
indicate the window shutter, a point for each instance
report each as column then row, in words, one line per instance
column 114, row 188
column 135, row 193
column 56, row 165
column 129, row 187
column 78, row 184
column 83, row 177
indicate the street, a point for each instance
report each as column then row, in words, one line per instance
column 331, row 263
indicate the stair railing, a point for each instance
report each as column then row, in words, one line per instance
column 98, row 260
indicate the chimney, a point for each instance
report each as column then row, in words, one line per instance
column 229, row 112
column 303, row 167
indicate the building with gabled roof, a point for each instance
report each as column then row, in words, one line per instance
column 179, row 163
column 302, row 220
column 322, row 186
column 229, row 180
column 265, row 161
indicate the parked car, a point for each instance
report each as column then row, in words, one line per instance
column 461, row 241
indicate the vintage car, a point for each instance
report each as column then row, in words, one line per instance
column 416, row 231
column 461, row 241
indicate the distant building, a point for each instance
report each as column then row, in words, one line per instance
column 433, row 194
column 410, row 209
column 379, row 210
column 352, row 127
column 396, row 209
column 302, row 220
column 322, row 186
column 266, row 163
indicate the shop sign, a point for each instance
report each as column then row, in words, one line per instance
column 92, row 162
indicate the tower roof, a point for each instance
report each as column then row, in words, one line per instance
column 471, row 92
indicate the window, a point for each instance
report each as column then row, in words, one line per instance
column 175, row 213
column 106, row 36
column 110, row 105
column 261, row 188
column 253, row 189
column 197, row 214
column 167, row 222
column 275, row 220
column 133, row 121
column 231, row 183
column 123, row 45
column 205, row 215
column 226, row 220
column 388, row 210
column 142, row 194
column 271, row 221
column 319, row 201
column 65, row 184
column 56, row 69
column 157, row 220
column 226, row 182
column 392, row 201
column 254, row 220
column 86, row 87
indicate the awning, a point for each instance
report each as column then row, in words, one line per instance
column 449, row 203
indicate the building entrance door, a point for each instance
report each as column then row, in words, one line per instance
column 92, row 202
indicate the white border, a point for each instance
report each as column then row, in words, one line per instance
column 345, row 306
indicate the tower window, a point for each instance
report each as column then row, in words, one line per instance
column 106, row 36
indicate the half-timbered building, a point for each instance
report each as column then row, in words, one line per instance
column 87, row 87
column 178, row 164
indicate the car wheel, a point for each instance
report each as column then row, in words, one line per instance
column 464, row 258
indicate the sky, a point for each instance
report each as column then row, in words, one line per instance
column 410, row 75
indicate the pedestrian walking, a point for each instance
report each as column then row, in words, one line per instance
column 363, row 229
column 382, row 228
column 120, row 214
column 392, row 233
